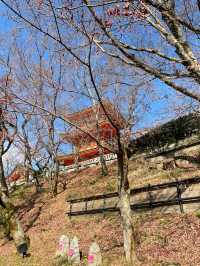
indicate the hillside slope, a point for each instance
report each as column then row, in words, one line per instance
column 161, row 239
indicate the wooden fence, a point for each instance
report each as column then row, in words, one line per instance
column 178, row 199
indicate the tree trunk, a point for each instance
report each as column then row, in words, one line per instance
column 128, row 230
column 104, row 168
column 4, row 186
column 27, row 173
column 37, row 183
column 125, row 209
column 76, row 158
column 13, row 227
column 56, row 175
column 28, row 167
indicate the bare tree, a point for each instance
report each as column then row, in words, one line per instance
column 29, row 142
column 8, row 130
column 170, row 55
column 119, row 146
column 104, row 169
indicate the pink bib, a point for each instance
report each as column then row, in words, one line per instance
column 61, row 246
column 91, row 258
column 70, row 252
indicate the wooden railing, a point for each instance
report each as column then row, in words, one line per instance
column 180, row 186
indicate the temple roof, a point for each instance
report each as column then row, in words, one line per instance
column 106, row 131
column 17, row 173
column 90, row 114
column 91, row 118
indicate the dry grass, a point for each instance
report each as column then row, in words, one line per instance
column 142, row 173
column 171, row 238
column 160, row 239
column 45, row 220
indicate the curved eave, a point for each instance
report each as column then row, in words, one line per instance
column 106, row 131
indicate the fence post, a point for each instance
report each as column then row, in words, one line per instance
column 150, row 197
column 179, row 197
column 104, row 204
column 86, row 205
column 70, row 208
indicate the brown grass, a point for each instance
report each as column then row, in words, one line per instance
column 160, row 239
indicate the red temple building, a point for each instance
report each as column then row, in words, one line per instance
column 17, row 175
column 94, row 121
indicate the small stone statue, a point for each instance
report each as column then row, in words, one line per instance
column 94, row 256
column 13, row 227
column 63, row 246
column 74, row 253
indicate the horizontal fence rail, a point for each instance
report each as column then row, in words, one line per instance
column 180, row 186
column 95, row 197
column 184, row 182
column 147, row 205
